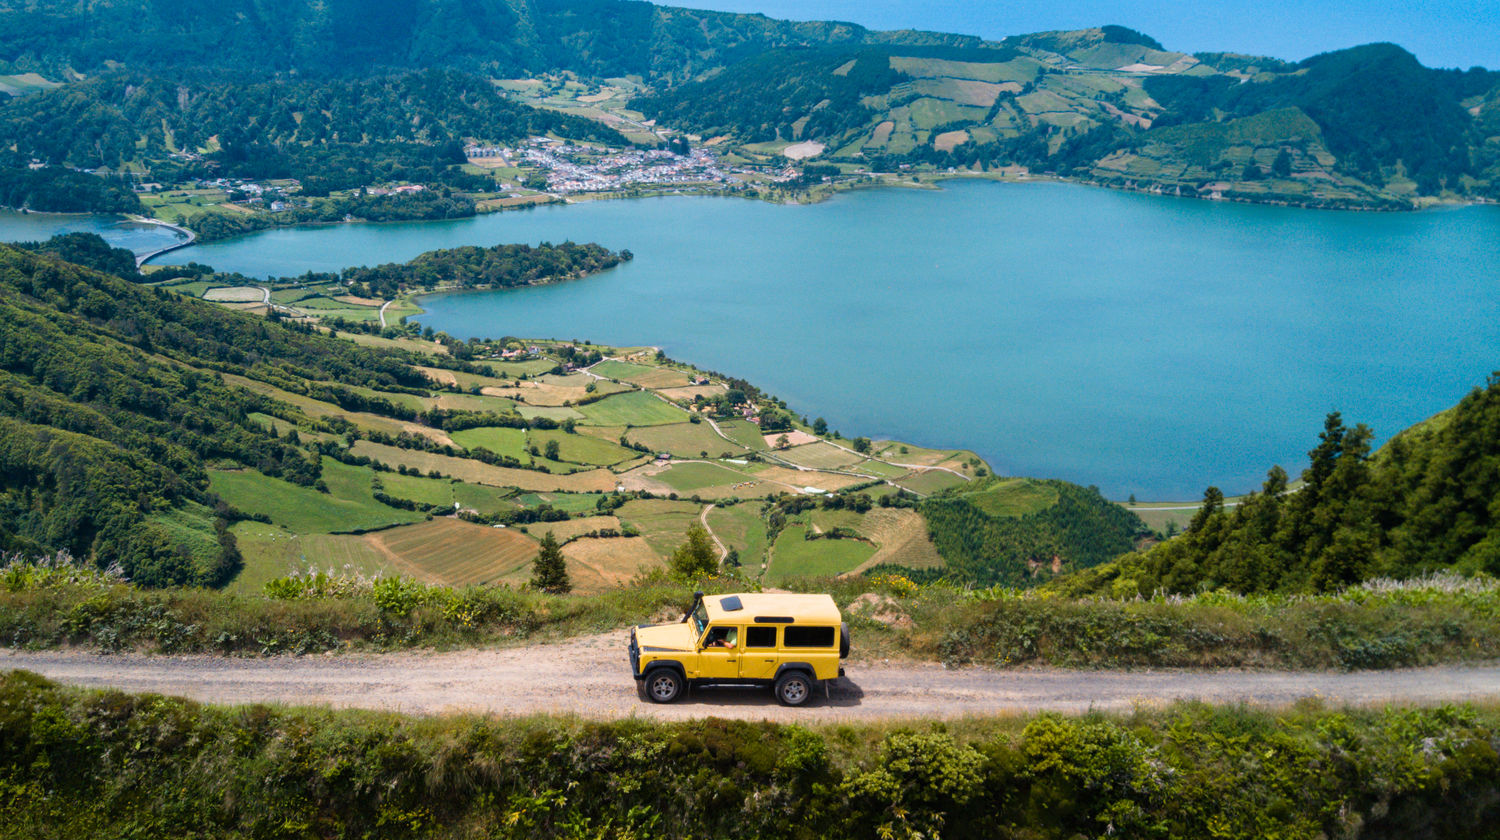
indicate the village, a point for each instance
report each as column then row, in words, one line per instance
column 570, row 169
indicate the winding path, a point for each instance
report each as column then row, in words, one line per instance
column 589, row 676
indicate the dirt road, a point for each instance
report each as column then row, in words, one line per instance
column 590, row 677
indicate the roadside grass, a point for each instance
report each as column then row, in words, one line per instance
column 304, row 510
column 637, row 408
column 684, row 440
column 105, row 763
column 793, row 555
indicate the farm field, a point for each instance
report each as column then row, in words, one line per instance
column 581, row 449
column 271, row 552
column 793, row 555
column 571, row 528
column 501, row 440
column 643, row 375
column 930, row 481
column 684, row 440
column 303, row 509
column 820, row 456
column 744, row 433
column 901, row 537
column 741, row 528
column 695, row 476
column 637, row 408
column 596, row 481
column 596, row 564
column 570, row 502
column 1013, row 497
column 662, row 523
column 454, row 552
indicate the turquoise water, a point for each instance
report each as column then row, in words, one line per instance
column 121, row 232
column 1147, row 345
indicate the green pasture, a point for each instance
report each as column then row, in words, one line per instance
column 793, row 555
column 348, row 506
column 637, row 408
column 684, row 440
column 690, row 478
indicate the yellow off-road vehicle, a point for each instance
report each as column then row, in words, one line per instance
column 788, row 642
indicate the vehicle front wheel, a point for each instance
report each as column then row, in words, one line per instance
column 793, row 688
column 663, row 685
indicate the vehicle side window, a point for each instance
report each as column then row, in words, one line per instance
column 760, row 637
column 809, row 637
column 721, row 637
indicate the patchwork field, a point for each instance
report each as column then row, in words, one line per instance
column 501, row 440
column 581, row 449
column 598, row 564
column 744, row 433
column 235, row 294
column 794, row 555
column 637, row 408
column 303, row 509
column 741, row 528
column 271, row 552
column 456, row 553
column 684, row 440
column 570, row 528
column 643, row 375
column 1013, row 497
column 590, row 481
column 698, row 475
column 662, row 523
column 930, row 481
column 821, row 455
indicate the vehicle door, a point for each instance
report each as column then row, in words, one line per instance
column 759, row 659
column 719, row 653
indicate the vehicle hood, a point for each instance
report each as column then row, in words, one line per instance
column 675, row 637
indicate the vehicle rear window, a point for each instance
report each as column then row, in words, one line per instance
column 809, row 637
column 760, row 637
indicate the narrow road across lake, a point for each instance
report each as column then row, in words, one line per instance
column 590, row 676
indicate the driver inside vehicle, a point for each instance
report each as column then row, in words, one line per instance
column 721, row 637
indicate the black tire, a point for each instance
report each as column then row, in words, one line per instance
column 794, row 688
column 663, row 685
column 844, row 640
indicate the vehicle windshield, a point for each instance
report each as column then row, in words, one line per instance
column 700, row 620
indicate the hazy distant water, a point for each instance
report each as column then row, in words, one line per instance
column 1148, row 345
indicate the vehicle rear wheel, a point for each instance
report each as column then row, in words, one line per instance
column 793, row 688
column 663, row 685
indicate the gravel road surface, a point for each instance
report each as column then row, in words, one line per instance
column 591, row 677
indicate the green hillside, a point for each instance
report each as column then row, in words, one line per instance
column 1363, row 127
column 1425, row 502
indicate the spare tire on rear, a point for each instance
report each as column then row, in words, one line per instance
column 844, row 641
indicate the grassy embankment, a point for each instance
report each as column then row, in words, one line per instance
column 1378, row 625
column 91, row 763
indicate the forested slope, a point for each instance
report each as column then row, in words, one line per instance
column 1429, row 500
column 503, row 38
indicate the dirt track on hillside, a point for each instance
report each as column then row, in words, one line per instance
column 590, row 677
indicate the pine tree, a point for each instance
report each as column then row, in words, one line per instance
column 549, row 572
column 696, row 557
